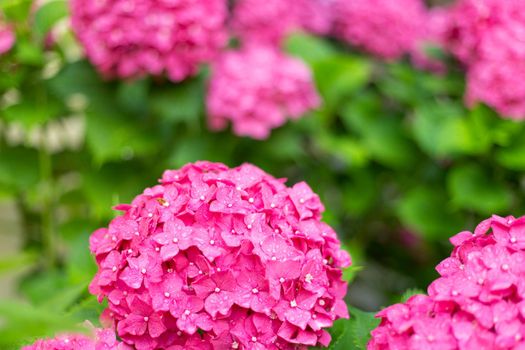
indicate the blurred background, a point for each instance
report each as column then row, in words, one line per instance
column 399, row 160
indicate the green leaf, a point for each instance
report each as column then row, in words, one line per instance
column 80, row 78
column 345, row 149
column 471, row 188
column 360, row 191
column 29, row 53
column 350, row 273
column 180, row 103
column 338, row 77
column 382, row 135
column 19, row 167
column 361, row 324
column 48, row 14
column 22, row 260
column 353, row 333
column 426, row 211
column 21, row 323
column 511, row 156
column 64, row 298
column 308, row 47
column 111, row 136
column 133, row 95
column 446, row 129
column 114, row 183
column 30, row 113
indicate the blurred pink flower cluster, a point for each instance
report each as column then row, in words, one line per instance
column 257, row 89
column 478, row 302
column 104, row 339
column 268, row 22
column 7, row 36
column 386, row 28
column 219, row 258
column 128, row 38
column 488, row 36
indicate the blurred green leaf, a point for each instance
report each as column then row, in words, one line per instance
column 64, row 298
column 361, row 191
column 48, row 14
column 21, row 323
column 30, row 113
column 309, row 48
column 347, row 150
column 133, row 95
column 180, row 103
column 382, row 135
column 445, row 129
column 513, row 155
column 112, row 184
column 22, row 260
column 15, row 10
column 471, row 188
column 338, row 77
column 80, row 79
column 19, row 167
column 426, row 211
column 115, row 137
column 27, row 52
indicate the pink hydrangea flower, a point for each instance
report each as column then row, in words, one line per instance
column 219, row 258
column 488, row 36
column 129, row 38
column 258, row 89
column 103, row 339
column 385, row 28
column 499, row 85
column 7, row 37
column 477, row 302
column 269, row 22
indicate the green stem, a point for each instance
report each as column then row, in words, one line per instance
column 48, row 220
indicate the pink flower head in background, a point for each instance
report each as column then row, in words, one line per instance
column 7, row 37
column 130, row 38
column 104, row 339
column 269, row 22
column 385, row 28
column 219, row 258
column 477, row 302
column 258, row 89
column 488, row 36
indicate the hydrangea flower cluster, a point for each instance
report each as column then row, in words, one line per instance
column 488, row 36
column 129, row 38
column 7, row 37
column 385, row 28
column 268, row 22
column 478, row 302
column 258, row 89
column 219, row 258
column 104, row 339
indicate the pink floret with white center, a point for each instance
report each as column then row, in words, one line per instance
column 219, row 258
column 386, row 28
column 258, row 89
column 131, row 38
column 478, row 302
column 103, row 339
